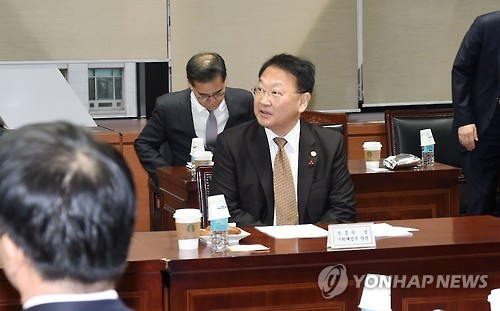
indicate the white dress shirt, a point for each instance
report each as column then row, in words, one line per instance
column 200, row 116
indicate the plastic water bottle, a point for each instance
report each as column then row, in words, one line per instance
column 219, row 235
column 428, row 155
column 427, row 142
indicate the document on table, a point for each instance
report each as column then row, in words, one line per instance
column 384, row 230
column 294, row 231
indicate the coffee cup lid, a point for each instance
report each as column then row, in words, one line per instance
column 187, row 212
column 202, row 155
column 372, row 145
column 426, row 137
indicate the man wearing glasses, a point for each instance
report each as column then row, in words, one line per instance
column 280, row 170
column 203, row 110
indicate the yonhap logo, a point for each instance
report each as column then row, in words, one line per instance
column 332, row 281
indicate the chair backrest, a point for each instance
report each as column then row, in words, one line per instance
column 335, row 121
column 203, row 178
column 403, row 133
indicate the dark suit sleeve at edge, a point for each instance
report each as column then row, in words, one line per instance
column 148, row 143
column 463, row 74
column 224, row 181
column 342, row 198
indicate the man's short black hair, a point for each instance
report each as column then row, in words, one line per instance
column 67, row 200
column 204, row 67
column 302, row 69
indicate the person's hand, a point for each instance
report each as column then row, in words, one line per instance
column 467, row 135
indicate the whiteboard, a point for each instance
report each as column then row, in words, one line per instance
column 38, row 93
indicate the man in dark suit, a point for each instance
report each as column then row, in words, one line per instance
column 180, row 116
column 475, row 92
column 67, row 212
column 246, row 155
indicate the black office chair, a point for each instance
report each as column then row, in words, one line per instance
column 403, row 136
column 403, row 133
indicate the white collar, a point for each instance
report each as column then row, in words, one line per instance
column 110, row 294
column 291, row 137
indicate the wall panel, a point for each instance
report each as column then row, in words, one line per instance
column 246, row 33
column 410, row 46
column 58, row 30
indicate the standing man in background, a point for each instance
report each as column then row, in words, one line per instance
column 476, row 110
column 278, row 169
column 203, row 110
column 67, row 212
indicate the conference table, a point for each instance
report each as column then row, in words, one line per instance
column 420, row 192
column 450, row 263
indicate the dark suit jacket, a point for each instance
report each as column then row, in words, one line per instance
column 98, row 305
column 476, row 74
column 171, row 127
column 243, row 173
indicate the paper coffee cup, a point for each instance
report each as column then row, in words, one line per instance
column 202, row 158
column 376, row 298
column 188, row 253
column 371, row 150
column 494, row 299
column 197, row 145
column 187, row 226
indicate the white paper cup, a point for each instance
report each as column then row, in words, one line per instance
column 187, row 226
column 376, row 298
column 371, row 150
column 188, row 244
column 197, row 145
column 426, row 137
column 202, row 158
column 494, row 299
column 188, row 253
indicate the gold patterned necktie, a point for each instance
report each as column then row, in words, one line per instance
column 284, row 189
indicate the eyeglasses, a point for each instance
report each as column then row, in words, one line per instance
column 205, row 97
column 275, row 94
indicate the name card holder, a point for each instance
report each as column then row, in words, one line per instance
column 350, row 236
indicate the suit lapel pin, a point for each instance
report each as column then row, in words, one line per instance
column 313, row 154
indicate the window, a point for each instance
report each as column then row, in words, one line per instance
column 105, row 90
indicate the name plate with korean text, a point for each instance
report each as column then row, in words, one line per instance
column 350, row 236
